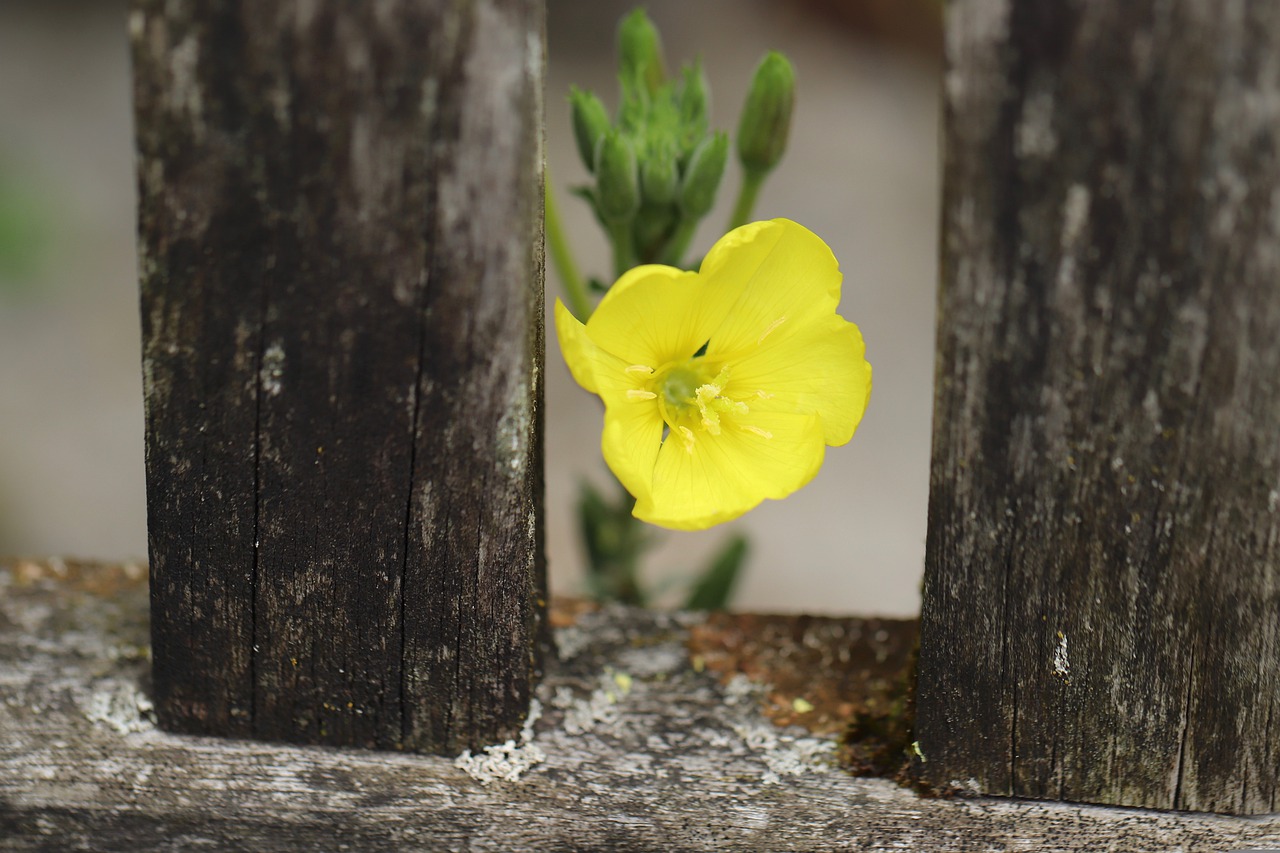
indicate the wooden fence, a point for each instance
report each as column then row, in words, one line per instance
column 340, row 228
column 1102, row 582
column 342, row 297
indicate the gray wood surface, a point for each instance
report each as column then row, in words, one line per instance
column 1101, row 613
column 634, row 751
column 341, row 262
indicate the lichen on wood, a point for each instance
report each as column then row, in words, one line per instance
column 683, row 762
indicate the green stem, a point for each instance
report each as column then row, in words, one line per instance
column 562, row 259
column 624, row 254
column 629, row 589
column 678, row 244
column 746, row 203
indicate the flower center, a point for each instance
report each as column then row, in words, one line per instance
column 677, row 387
column 689, row 394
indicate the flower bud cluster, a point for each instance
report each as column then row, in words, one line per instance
column 657, row 167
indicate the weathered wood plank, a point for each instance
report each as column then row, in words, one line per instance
column 677, row 761
column 341, row 265
column 1102, row 593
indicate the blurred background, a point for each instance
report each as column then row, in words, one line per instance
column 861, row 171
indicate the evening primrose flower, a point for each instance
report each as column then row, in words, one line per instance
column 722, row 387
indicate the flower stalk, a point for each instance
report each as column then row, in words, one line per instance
column 562, row 256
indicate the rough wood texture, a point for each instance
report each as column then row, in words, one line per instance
column 673, row 761
column 340, row 229
column 1102, row 592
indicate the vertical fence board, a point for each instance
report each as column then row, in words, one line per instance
column 1101, row 592
column 340, row 230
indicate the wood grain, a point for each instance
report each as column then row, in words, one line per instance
column 678, row 761
column 1102, row 593
column 341, row 260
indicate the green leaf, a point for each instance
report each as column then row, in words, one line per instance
column 714, row 588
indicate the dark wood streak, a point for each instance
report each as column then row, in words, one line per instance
column 340, row 231
column 1101, row 605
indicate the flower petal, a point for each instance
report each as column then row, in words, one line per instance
column 578, row 350
column 656, row 314
column 728, row 474
column 784, row 277
column 630, row 442
column 821, row 370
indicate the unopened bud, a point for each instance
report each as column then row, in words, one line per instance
column 659, row 177
column 640, row 52
column 617, row 181
column 766, row 117
column 693, row 105
column 702, row 175
column 590, row 123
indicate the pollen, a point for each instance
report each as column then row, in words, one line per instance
column 712, row 403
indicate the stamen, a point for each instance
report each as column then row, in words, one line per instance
column 637, row 394
column 706, row 403
column 640, row 368
column 775, row 324
column 687, row 435
column 763, row 395
column 712, row 405
column 763, row 433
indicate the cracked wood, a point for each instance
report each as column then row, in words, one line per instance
column 340, row 253
column 1102, row 591
column 678, row 761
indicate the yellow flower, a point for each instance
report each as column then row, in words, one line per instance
column 722, row 387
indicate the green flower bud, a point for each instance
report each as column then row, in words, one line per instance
column 659, row 176
column 617, row 180
column 702, row 175
column 640, row 52
column 633, row 113
column 590, row 123
column 766, row 117
column 693, row 106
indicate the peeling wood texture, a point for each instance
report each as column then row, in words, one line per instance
column 1102, row 593
column 341, row 263
column 676, row 761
